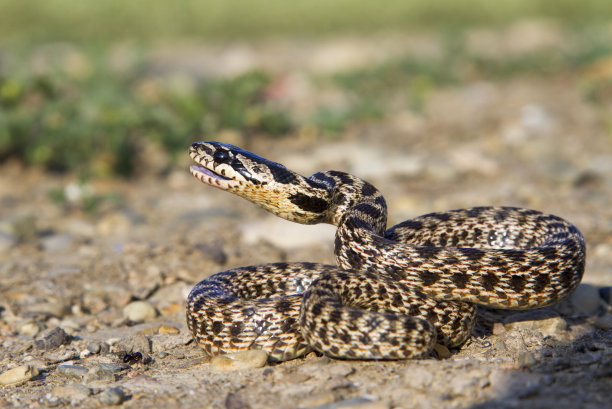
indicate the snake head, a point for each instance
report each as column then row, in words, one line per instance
column 261, row 181
column 227, row 166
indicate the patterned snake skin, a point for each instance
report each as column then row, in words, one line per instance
column 395, row 292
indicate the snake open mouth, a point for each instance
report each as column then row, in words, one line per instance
column 197, row 170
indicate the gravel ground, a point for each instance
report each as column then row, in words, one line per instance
column 92, row 305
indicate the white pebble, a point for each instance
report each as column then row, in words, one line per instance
column 139, row 311
column 239, row 360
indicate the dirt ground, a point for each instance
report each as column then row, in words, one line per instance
column 67, row 276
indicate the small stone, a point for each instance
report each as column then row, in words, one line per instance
column 167, row 329
column 139, row 311
column 239, row 360
column 604, row 322
column 135, row 343
column 606, row 294
column 53, row 338
column 18, row 375
column 61, row 355
column 586, row 299
column 29, row 329
column 548, row 323
column 105, row 372
column 94, row 347
column 74, row 393
column 526, row 359
column 113, row 396
column 72, row 371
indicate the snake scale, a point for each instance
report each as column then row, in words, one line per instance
column 395, row 292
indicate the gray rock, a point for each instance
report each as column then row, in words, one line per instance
column 139, row 311
column 604, row 322
column 136, row 343
column 94, row 347
column 606, row 294
column 105, row 372
column 586, row 299
column 53, row 338
column 18, row 375
column 113, row 396
column 72, row 371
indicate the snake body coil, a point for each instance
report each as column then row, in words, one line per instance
column 395, row 292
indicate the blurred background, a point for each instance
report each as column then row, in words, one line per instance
column 83, row 87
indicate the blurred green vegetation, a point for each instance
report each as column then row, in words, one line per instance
column 76, row 112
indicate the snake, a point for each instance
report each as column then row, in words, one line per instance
column 395, row 293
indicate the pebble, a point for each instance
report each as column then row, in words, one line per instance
column 167, row 329
column 94, row 347
column 239, row 360
column 29, row 329
column 604, row 322
column 53, row 338
column 113, row 396
column 546, row 322
column 606, row 294
column 526, row 359
column 139, row 311
column 74, row 392
column 586, row 299
column 18, row 375
column 135, row 343
column 105, row 372
column 72, row 371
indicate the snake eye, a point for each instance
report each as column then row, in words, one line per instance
column 221, row 156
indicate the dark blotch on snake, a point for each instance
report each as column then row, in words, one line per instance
column 309, row 203
column 517, row 283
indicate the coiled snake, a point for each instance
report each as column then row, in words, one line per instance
column 395, row 292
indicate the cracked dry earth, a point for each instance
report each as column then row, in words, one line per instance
column 92, row 306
